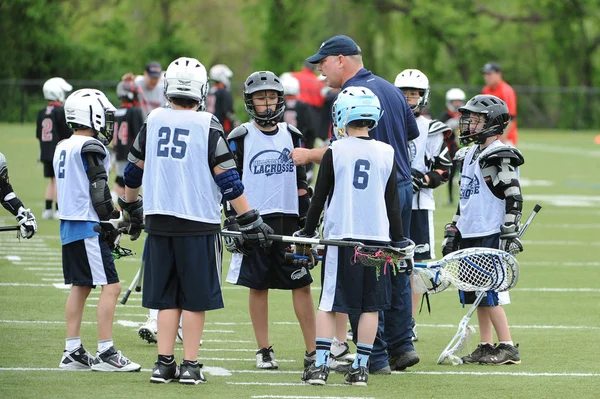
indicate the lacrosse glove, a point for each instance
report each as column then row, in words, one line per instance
column 418, row 180
column 109, row 229
column 451, row 239
column 305, row 254
column 407, row 249
column 235, row 245
column 255, row 232
column 133, row 213
column 27, row 223
column 509, row 239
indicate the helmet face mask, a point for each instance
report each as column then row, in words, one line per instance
column 89, row 108
column 264, row 81
column 355, row 104
column 481, row 117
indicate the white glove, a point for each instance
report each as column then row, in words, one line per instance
column 27, row 223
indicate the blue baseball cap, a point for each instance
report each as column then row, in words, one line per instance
column 337, row 45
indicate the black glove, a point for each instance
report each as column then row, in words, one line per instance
column 27, row 223
column 509, row 239
column 451, row 239
column 418, row 180
column 255, row 232
column 109, row 229
column 302, row 251
column 133, row 215
column 303, row 205
column 235, row 245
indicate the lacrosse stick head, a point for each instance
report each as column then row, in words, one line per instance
column 479, row 269
column 428, row 281
column 457, row 346
column 384, row 256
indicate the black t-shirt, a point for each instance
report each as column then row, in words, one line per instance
column 51, row 128
column 299, row 114
column 128, row 122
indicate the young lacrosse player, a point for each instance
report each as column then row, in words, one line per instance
column 12, row 203
column 52, row 128
column 430, row 164
column 357, row 179
column 488, row 214
column 455, row 98
column 278, row 189
column 129, row 118
column 82, row 164
column 181, row 158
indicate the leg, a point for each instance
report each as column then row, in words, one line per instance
column 74, row 309
column 168, row 323
column 193, row 326
column 497, row 316
column 304, row 308
column 341, row 326
column 486, row 331
column 259, row 314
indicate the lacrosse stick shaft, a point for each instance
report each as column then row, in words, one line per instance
column 9, row 228
column 131, row 286
column 302, row 240
column 535, row 211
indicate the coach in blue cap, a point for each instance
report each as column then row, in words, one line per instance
column 339, row 60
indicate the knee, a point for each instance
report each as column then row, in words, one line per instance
column 112, row 289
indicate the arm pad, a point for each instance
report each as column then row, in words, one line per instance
column 99, row 191
column 133, row 175
column 230, row 184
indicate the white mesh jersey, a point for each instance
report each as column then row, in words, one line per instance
column 481, row 212
column 151, row 99
column 357, row 208
column 72, row 182
column 178, row 180
column 269, row 174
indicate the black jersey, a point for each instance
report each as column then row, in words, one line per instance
column 298, row 114
column 51, row 128
column 128, row 122
column 219, row 102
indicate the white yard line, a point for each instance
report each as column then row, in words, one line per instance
column 309, row 397
column 555, row 149
column 498, row 373
column 563, row 243
column 281, row 384
column 560, row 263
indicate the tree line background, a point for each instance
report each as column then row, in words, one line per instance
column 549, row 49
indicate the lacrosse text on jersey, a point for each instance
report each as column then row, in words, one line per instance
column 481, row 212
column 269, row 174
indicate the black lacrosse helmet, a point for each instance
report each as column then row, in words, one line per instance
column 260, row 81
column 496, row 118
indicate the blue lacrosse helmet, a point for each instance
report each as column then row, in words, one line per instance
column 355, row 104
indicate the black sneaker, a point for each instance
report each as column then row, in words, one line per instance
column 358, row 376
column 113, row 360
column 481, row 351
column 316, row 375
column 309, row 358
column 404, row 361
column 502, row 354
column 79, row 359
column 164, row 373
column 191, row 374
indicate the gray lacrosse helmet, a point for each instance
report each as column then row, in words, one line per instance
column 260, row 81
column 496, row 118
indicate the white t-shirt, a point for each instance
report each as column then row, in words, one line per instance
column 151, row 99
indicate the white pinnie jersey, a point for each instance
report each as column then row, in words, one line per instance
column 481, row 212
column 177, row 178
column 72, row 182
column 357, row 208
column 269, row 174
column 423, row 150
column 151, row 99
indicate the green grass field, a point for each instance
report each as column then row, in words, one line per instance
column 555, row 314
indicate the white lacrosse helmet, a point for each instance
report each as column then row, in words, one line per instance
column 91, row 108
column 220, row 73
column 55, row 89
column 414, row 79
column 186, row 78
column 455, row 94
column 291, row 86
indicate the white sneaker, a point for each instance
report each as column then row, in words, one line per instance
column 56, row 215
column 48, row 214
column 339, row 357
column 149, row 330
column 265, row 359
column 113, row 360
column 79, row 359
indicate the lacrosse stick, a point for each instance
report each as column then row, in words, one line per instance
column 9, row 228
column 136, row 284
column 500, row 273
column 367, row 255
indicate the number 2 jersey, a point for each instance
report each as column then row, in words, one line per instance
column 51, row 128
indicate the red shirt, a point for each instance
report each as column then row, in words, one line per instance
column 310, row 88
column 507, row 94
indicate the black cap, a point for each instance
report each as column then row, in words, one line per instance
column 337, row 45
column 154, row 69
column 491, row 67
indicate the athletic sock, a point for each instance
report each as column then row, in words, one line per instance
column 166, row 359
column 323, row 350
column 507, row 343
column 104, row 345
column 72, row 343
column 48, row 204
column 363, row 351
column 192, row 363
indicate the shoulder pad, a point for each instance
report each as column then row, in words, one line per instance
column 437, row 127
column 504, row 152
column 93, row 147
column 2, row 161
column 461, row 154
column 294, row 130
column 237, row 133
